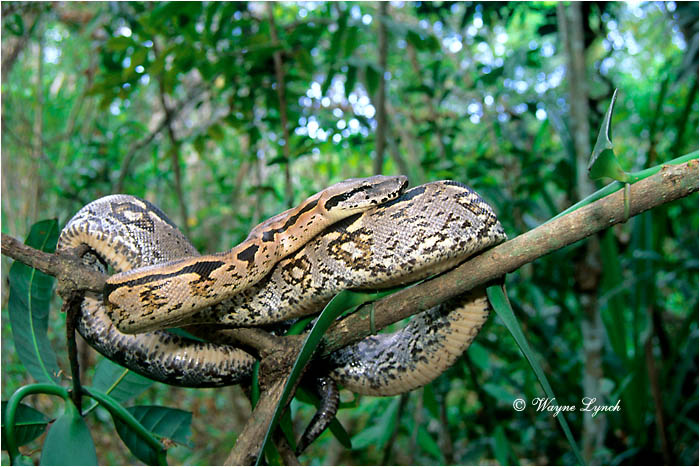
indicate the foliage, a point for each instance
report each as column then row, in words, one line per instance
column 476, row 92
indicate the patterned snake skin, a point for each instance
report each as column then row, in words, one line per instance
column 425, row 231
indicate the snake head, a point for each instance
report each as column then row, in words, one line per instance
column 359, row 194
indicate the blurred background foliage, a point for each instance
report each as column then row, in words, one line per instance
column 186, row 105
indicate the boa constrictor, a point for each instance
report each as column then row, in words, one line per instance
column 426, row 230
column 165, row 295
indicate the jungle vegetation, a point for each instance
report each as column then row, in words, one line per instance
column 224, row 114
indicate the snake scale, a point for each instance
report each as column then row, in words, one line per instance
column 392, row 238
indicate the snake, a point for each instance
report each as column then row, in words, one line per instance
column 165, row 295
column 418, row 233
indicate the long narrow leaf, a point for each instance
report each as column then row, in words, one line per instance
column 30, row 295
column 378, row 433
column 500, row 304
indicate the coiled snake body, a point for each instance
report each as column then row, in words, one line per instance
column 426, row 230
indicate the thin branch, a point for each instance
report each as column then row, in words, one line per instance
column 282, row 103
column 175, row 158
column 380, row 99
column 64, row 267
column 249, row 441
column 145, row 141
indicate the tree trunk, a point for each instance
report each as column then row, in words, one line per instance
column 588, row 268
column 282, row 102
column 380, row 100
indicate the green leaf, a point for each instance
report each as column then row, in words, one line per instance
column 379, row 433
column 498, row 392
column 501, row 447
column 479, row 356
column 428, row 444
column 372, row 78
column 29, row 424
column 68, row 441
column 613, row 289
column 350, row 79
column 277, row 160
column 502, row 307
column 367, row 437
column 216, row 132
column 166, row 422
column 415, row 40
column 351, row 41
column 30, row 295
column 603, row 162
column 305, row 61
column 15, row 25
column 287, row 429
column 430, row 402
column 119, row 44
column 337, row 38
column 118, row 382
column 329, row 79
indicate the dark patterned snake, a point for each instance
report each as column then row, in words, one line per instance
column 397, row 240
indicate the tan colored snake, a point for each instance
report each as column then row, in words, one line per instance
column 426, row 230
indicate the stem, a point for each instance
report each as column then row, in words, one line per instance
column 13, row 403
column 72, row 309
column 615, row 186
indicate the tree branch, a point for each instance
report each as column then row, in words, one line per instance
column 174, row 155
column 670, row 183
column 64, row 267
column 145, row 141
